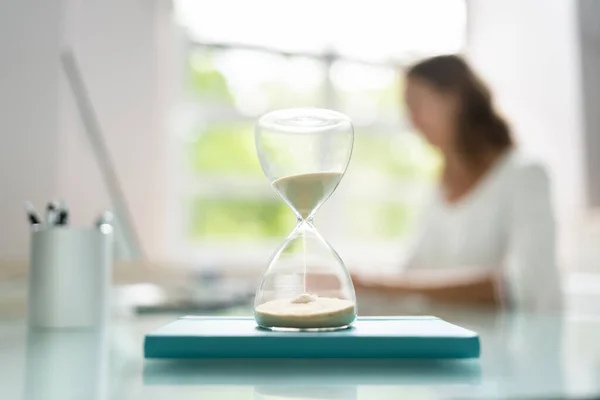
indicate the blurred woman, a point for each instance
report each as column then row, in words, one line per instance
column 490, row 223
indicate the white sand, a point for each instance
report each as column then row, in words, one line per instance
column 306, row 191
column 305, row 312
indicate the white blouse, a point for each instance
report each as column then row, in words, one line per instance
column 505, row 225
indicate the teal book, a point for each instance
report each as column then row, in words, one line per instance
column 369, row 337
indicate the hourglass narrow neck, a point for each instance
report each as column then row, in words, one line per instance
column 307, row 223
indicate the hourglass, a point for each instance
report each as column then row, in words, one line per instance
column 304, row 153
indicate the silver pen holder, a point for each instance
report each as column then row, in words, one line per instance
column 69, row 277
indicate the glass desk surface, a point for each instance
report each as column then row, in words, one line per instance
column 523, row 355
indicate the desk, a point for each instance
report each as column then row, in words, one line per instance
column 522, row 355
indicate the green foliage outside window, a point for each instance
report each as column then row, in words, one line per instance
column 204, row 81
column 239, row 219
column 227, row 148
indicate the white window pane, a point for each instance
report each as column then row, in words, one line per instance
column 367, row 94
column 384, row 30
column 291, row 26
column 374, row 29
column 255, row 82
column 224, row 195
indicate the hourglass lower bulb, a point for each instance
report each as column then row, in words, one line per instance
column 304, row 153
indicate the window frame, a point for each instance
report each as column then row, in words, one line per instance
column 208, row 252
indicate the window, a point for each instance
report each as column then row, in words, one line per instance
column 245, row 58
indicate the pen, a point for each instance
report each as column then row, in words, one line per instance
column 63, row 214
column 63, row 217
column 51, row 211
column 32, row 216
column 106, row 218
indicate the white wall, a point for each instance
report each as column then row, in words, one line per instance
column 528, row 51
column 589, row 37
column 29, row 123
column 123, row 49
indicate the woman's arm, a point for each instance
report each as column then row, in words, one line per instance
column 476, row 289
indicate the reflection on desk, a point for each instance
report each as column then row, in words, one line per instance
column 539, row 356
column 324, row 392
column 66, row 364
column 283, row 372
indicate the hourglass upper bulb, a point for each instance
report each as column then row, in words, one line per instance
column 304, row 153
